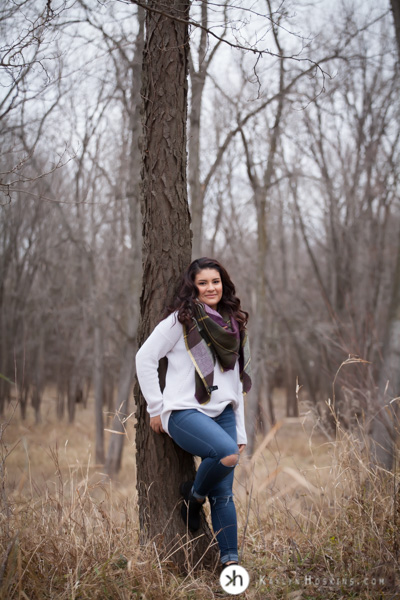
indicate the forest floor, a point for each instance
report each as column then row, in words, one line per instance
column 314, row 520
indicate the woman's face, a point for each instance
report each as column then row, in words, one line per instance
column 209, row 287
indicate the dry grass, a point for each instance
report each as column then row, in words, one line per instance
column 314, row 520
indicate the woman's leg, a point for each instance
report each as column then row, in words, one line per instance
column 223, row 511
column 214, row 440
column 224, row 521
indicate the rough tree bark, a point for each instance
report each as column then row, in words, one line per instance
column 161, row 465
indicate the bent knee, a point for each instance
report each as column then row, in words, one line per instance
column 231, row 460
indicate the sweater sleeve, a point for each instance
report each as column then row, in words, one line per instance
column 157, row 345
column 240, row 426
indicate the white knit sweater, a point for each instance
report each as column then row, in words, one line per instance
column 179, row 392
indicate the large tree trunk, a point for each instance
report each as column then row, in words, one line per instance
column 161, row 465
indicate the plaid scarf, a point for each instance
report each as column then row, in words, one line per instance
column 213, row 337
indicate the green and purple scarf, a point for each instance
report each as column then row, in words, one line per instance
column 216, row 337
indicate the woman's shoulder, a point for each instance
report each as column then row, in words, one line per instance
column 171, row 318
column 170, row 322
column 164, row 336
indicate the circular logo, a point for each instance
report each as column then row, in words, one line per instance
column 234, row 579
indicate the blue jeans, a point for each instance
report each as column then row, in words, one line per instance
column 212, row 439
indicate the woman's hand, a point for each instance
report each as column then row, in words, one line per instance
column 156, row 425
column 241, row 448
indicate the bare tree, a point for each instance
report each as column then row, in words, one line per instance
column 353, row 146
column 384, row 427
column 28, row 59
column 161, row 465
column 132, row 107
column 198, row 78
column 395, row 5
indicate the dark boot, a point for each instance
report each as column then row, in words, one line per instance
column 191, row 507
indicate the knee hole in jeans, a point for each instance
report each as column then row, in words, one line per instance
column 230, row 461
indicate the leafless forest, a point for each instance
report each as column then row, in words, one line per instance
column 279, row 125
column 293, row 178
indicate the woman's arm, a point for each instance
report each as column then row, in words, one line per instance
column 157, row 345
column 240, row 426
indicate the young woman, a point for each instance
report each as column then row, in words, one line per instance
column 201, row 407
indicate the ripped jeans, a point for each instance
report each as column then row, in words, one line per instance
column 212, row 439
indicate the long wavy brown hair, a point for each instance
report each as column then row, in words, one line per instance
column 186, row 294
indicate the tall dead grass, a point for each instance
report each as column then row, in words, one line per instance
column 331, row 530
column 315, row 521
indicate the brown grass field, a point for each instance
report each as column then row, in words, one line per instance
column 314, row 520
